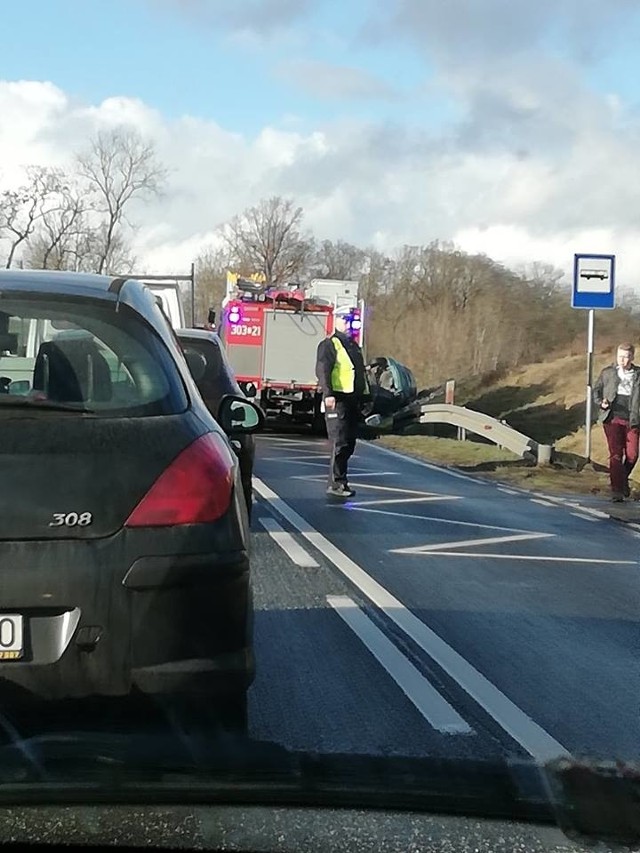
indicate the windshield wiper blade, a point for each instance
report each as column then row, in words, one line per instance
column 590, row 800
column 9, row 402
column 233, row 768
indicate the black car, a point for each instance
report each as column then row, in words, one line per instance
column 124, row 562
column 215, row 379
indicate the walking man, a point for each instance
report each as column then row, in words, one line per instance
column 342, row 379
column 617, row 395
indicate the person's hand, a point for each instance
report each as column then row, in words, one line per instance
column 329, row 403
column 605, row 404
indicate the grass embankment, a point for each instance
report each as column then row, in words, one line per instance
column 544, row 401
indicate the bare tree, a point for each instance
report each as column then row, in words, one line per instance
column 267, row 238
column 120, row 166
column 339, row 260
column 51, row 246
column 211, row 279
column 88, row 250
column 22, row 209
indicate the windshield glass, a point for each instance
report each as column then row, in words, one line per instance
column 320, row 413
column 80, row 354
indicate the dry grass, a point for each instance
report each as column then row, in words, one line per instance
column 490, row 461
column 545, row 401
column 448, row 451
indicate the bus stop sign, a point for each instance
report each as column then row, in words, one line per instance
column 593, row 281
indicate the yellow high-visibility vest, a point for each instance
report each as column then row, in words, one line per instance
column 343, row 373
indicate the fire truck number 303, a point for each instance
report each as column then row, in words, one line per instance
column 244, row 331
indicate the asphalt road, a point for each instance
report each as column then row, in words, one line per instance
column 438, row 614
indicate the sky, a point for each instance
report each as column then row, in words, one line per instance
column 506, row 126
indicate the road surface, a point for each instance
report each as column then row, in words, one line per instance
column 436, row 613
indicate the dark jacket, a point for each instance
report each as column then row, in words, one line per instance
column 606, row 388
column 325, row 362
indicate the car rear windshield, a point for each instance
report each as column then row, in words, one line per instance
column 65, row 354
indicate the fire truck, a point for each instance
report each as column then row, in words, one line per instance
column 271, row 334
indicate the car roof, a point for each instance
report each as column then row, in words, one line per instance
column 45, row 281
column 108, row 288
column 201, row 334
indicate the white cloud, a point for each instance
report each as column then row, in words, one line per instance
column 248, row 17
column 370, row 184
column 335, row 82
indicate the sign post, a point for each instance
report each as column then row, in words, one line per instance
column 593, row 287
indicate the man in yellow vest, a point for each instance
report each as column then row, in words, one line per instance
column 343, row 382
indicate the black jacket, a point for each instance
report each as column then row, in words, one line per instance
column 325, row 362
column 606, row 387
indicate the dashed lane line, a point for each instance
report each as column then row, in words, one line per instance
column 513, row 720
column 285, row 540
column 432, row 706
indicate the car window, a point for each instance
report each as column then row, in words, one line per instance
column 79, row 352
column 218, row 377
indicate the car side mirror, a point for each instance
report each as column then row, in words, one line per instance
column 196, row 363
column 237, row 415
column 250, row 389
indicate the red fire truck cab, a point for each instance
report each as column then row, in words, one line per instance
column 271, row 336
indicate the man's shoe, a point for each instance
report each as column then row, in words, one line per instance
column 617, row 498
column 341, row 490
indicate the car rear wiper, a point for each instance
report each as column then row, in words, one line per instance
column 9, row 402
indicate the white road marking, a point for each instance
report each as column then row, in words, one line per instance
column 405, row 500
column 373, row 474
column 431, row 467
column 433, row 707
column 353, row 472
column 351, row 475
column 309, row 463
column 508, row 491
column 397, row 490
column 585, row 516
column 539, row 559
column 542, row 502
column 292, row 549
column 491, row 540
column 311, row 459
column 525, row 731
column 440, row 550
column 438, row 519
column 595, row 512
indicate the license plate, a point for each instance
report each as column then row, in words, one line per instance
column 11, row 636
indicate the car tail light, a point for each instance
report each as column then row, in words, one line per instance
column 195, row 489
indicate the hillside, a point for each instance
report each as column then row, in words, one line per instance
column 546, row 401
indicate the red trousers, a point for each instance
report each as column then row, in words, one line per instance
column 623, row 452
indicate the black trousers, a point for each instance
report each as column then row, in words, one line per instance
column 342, row 429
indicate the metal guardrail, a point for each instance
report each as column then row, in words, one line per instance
column 417, row 413
column 480, row 424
